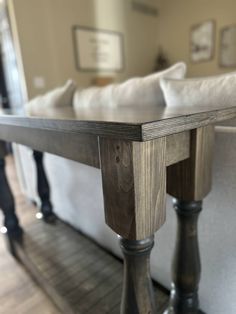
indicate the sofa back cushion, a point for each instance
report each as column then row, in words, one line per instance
column 135, row 91
column 56, row 98
column 207, row 91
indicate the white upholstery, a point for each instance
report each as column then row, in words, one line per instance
column 57, row 98
column 214, row 90
column 140, row 90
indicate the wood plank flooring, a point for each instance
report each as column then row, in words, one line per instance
column 19, row 294
column 77, row 275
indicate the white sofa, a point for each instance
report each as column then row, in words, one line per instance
column 76, row 193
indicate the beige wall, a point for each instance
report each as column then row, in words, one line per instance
column 176, row 19
column 43, row 29
column 44, row 34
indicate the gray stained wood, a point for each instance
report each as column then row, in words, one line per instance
column 134, row 178
column 186, row 265
column 77, row 275
column 82, row 147
column 177, row 147
column 134, row 123
column 134, row 186
column 138, row 297
column 190, row 179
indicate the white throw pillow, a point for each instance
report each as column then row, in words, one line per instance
column 57, row 98
column 145, row 90
column 213, row 91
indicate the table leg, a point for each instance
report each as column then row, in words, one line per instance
column 186, row 266
column 138, row 294
column 7, row 204
column 43, row 188
column 134, row 189
column 189, row 181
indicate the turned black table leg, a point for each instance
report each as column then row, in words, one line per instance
column 138, row 295
column 7, row 205
column 189, row 181
column 186, row 266
column 43, row 188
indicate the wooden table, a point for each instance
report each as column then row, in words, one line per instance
column 143, row 152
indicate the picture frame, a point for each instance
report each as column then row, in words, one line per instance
column 97, row 49
column 145, row 7
column 227, row 54
column 202, row 41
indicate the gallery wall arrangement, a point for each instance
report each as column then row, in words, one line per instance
column 203, row 44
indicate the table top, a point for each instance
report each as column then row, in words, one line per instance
column 136, row 123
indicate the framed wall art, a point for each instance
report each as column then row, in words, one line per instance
column 98, row 49
column 147, row 7
column 202, row 41
column 228, row 46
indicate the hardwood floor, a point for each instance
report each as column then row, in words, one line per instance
column 19, row 294
column 77, row 274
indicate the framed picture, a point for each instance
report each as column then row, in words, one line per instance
column 228, row 46
column 98, row 49
column 202, row 41
column 148, row 7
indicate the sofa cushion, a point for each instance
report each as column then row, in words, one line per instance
column 140, row 90
column 212, row 91
column 57, row 98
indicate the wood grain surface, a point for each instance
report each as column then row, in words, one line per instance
column 78, row 147
column 177, row 147
column 83, row 148
column 134, row 186
column 190, row 180
column 135, row 123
